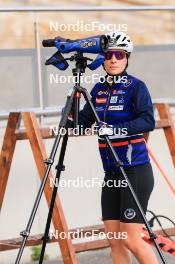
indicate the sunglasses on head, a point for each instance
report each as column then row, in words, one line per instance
column 119, row 54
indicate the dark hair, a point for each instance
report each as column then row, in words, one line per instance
column 127, row 56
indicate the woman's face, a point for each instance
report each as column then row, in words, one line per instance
column 115, row 66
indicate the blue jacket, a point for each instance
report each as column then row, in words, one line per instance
column 128, row 106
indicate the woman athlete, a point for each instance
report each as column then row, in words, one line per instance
column 123, row 103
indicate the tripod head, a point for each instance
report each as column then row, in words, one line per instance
column 80, row 63
column 61, row 63
column 95, row 45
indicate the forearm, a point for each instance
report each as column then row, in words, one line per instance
column 139, row 125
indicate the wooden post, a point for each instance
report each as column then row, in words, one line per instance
column 7, row 151
column 164, row 113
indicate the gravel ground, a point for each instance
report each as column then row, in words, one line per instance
column 101, row 256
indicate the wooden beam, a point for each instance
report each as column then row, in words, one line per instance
column 45, row 133
column 14, row 243
column 90, row 245
column 37, row 240
column 164, row 113
column 169, row 231
column 39, row 153
column 7, row 152
column 162, row 123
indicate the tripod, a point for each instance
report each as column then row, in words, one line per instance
column 73, row 102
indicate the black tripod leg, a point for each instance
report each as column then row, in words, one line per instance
column 25, row 234
column 118, row 164
column 59, row 168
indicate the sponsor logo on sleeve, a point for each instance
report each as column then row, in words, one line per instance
column 128, row 83
column 115, row 107
column 99, row 108
column 102, row 92
column 101, row 100
column 121, row 100
column 118, row 92
column 113, row 99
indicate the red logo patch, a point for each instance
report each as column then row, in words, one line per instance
column 101, row 100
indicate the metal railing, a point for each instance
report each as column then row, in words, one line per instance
column 88, row 8
column 57, row 111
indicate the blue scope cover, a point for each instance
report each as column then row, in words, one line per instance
column 88, row 45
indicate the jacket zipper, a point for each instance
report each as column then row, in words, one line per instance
column 109, row 91
column 109, row 88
